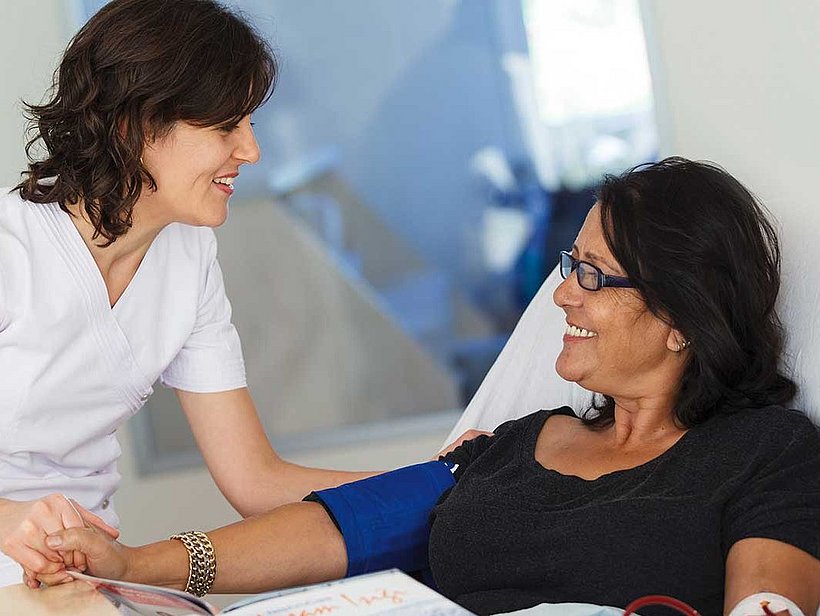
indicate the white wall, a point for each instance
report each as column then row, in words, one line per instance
column 737, row 83
column 32, row 37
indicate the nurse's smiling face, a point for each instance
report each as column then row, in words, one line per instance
column 626, row 350
column 194, row 168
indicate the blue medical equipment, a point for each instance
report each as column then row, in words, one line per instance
column 385, row 520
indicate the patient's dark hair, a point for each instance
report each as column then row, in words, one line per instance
column 129, row 74
column 699, row 248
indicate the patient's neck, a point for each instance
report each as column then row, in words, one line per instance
column 643, row 421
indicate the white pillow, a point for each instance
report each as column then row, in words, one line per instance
column 523, row 377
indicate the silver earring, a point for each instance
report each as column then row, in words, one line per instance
column 682, row 345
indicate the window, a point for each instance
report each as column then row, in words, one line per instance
column 592, row 85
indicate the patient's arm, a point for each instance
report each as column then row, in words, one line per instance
column 292, row 545
column 384, row 522
column 765, row 565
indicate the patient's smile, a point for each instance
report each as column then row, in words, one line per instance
column 227, row 180
column 573, row 331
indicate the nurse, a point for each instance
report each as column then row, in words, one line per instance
column 109, row 278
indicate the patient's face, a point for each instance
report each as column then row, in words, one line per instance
column 624, row 351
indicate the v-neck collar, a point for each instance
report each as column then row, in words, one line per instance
column 104, row 326
column 81, row 254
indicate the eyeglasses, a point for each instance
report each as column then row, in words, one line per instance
column 589, row 276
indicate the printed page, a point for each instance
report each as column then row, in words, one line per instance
column 388, row 592
column 144, row 600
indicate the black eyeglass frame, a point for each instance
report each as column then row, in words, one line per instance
column 568, row 264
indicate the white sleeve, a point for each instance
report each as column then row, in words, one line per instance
column 2, row 295
column 5, row 317
column 211, row 358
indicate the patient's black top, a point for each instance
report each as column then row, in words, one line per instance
column 512, row 534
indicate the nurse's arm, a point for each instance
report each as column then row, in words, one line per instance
column 293, row 545
column 247, row 470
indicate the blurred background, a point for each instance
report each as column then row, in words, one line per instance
column 422, row 165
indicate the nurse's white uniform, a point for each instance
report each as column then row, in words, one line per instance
column 73, row 369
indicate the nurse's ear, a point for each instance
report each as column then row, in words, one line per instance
column 137, row 136
column 137, row 142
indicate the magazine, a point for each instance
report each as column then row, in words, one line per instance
column 386, row 592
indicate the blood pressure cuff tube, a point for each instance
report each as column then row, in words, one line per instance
column 385, row 520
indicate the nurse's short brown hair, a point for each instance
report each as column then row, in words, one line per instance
column 130, row 73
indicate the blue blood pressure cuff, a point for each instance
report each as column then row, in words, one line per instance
column 385, row 520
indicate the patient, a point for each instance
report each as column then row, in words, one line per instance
column 687, row 476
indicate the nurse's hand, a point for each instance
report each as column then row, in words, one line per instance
column 25, row 524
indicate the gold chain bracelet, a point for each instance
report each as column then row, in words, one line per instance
column 201, row 562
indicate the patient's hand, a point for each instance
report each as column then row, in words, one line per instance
column 467, row 436
column 104, row 557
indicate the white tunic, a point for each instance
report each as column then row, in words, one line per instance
column 73, row 369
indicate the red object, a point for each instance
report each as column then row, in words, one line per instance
column 680, row 606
